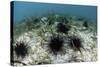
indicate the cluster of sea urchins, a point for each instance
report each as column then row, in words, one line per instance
column 56, row 43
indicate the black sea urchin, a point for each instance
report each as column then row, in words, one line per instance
column 85, row 24
column 75, row 43
column 56, row 44
column 21, row 49
column 62, row 28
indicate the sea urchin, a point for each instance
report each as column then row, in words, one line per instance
column 56, row 44
column 62, row 28
column 75, row 43
column 21, row 49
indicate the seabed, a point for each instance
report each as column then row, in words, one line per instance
column 54, row 39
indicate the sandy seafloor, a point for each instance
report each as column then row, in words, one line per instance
column 37, row 32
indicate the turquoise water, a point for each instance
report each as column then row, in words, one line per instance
column 26, row 9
